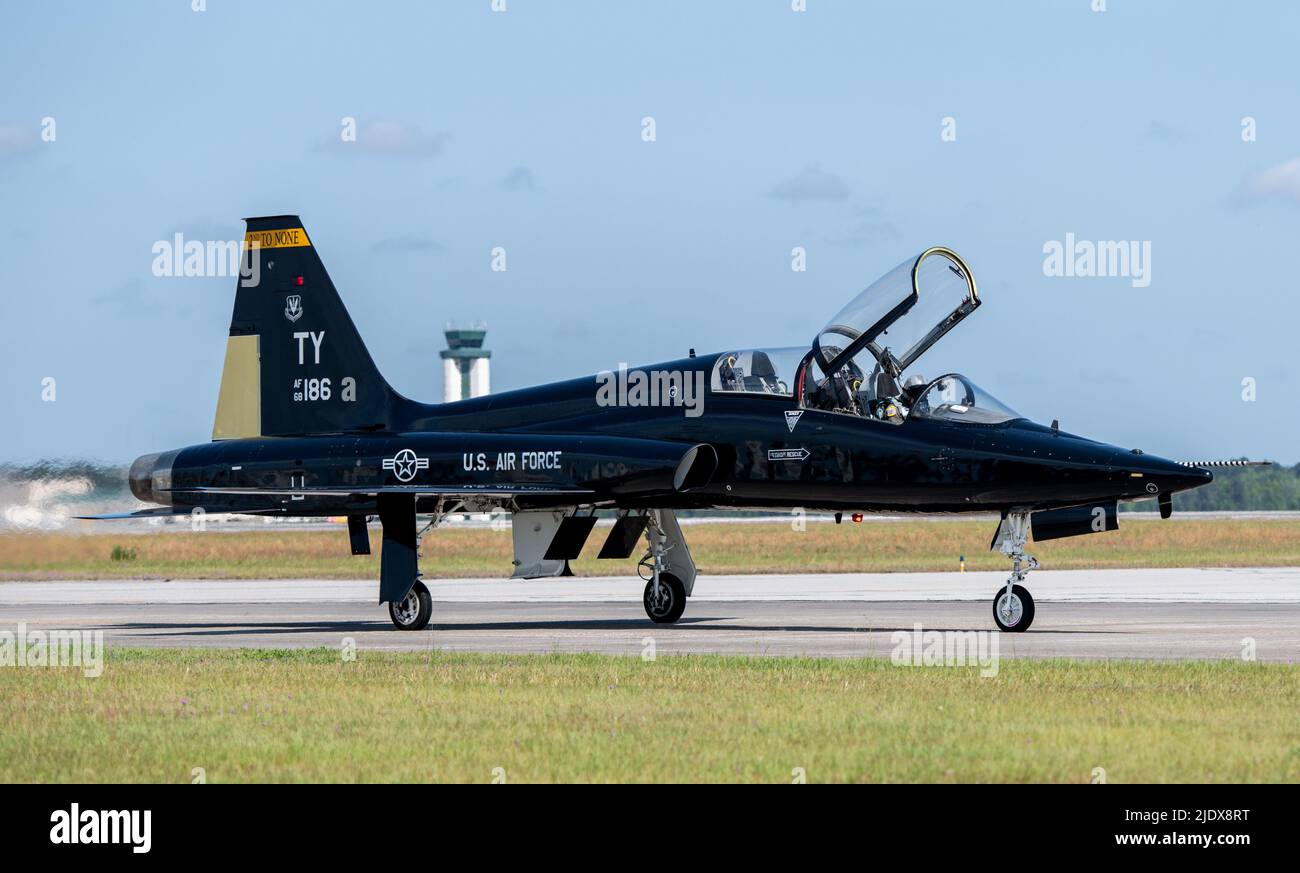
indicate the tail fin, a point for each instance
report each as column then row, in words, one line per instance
column 295, row 363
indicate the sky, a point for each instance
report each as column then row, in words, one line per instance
column 861, row 132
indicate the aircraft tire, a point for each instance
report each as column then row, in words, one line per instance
column 1024, row 600
column 414, row 611
column 674, row 603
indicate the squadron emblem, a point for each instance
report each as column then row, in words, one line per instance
column 293, row 307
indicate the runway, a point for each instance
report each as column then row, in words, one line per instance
column 1144, row 614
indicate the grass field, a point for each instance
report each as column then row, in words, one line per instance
column 717, row 548
column 310, row 716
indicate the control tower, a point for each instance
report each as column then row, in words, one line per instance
column 465, row 364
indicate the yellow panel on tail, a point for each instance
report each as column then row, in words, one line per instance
column 239, row 404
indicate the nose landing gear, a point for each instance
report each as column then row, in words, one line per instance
column 667, row 568
column 664, row 598
column 1013, row 606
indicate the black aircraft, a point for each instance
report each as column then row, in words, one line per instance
column 306, row 426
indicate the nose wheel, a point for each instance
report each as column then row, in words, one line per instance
column 1013, row 610
column 666, row 600
column 666, row 577
column 1013, row 606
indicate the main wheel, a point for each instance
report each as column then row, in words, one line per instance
column 414, row 610
column 1015, row 612
column 668, row 606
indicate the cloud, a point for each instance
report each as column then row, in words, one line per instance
column 405, row 245
column 866, row 234
column 17, row 141
column 1281, row 181
column 867, row 229
column 519, row 179
column 426, row 347
column 570, row 330
column 126, row 298
column 207, row 229
column 1166, row 132
column 387, row 138
column 813, row 183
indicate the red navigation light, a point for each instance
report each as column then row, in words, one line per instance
column 297, row 280
column 857, row 518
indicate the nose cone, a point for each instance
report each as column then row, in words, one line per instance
column 1161, row 475
column 150, row 477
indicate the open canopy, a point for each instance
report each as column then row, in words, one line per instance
column 859, row 363
column 899, row 316
column 860, row 357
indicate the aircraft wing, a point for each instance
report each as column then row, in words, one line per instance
column 450, row 490
column 167, row 512
column 584, row 468
column 348, row 475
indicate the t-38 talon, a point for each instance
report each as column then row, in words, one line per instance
column 306, row 426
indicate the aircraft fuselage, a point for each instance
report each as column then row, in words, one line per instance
column 559, row 446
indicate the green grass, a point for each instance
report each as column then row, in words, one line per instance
column 309, row 716
column 279, row 553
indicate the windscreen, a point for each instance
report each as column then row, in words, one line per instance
column 956, row 398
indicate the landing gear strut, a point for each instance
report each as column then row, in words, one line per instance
column 410, row 605
column 1013, row 607
column 665, row 594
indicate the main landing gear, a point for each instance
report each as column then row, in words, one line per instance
column 414, row 610
column 410, row 605
column 1013, row 607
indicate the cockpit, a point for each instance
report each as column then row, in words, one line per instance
column 861, row 363
column 758, row 371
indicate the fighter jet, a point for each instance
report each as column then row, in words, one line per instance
column 307, row 426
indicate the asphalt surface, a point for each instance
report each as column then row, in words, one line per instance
column 1148, row 614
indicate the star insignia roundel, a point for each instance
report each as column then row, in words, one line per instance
column 405, row 464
